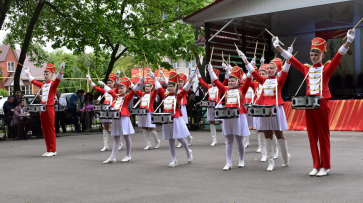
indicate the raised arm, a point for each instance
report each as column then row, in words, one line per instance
column 214, row 78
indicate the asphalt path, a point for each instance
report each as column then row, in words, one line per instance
column 77, row 174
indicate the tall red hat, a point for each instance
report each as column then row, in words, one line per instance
column 112, row 77
column 50, row 68
column 318, row 43
column 174, row 77
column 277, row 62
column 237, row 72
column 264, row 67
column 216, row 71
column 125, row 81
column 149, row 81
column 182, row 77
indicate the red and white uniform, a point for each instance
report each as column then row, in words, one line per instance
column 214, row 95
column 147, row 102
column 47, row 118
column 317, row 120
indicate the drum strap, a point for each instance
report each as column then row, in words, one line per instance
column 112, row 103
column 138, row 103
column 36, row 95
column 175, row 103
column 159, row 106
column 276, row 94
column 222, row 99
column 321, row 82
column 302, row 82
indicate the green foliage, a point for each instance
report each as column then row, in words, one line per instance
column 4, row 92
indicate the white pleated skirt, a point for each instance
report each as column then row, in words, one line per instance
column 185, row 114
column 122, row 126
column 249, row 120
column 211, row 114
column 235, row 126
column 277, row 122
column 175, row 130
column 256, row 123
column 145, row 121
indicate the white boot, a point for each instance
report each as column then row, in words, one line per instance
column 247, row 141
column 179, row 145
column 259, row 142
column 262, row 138
column 147, row 139
column 189, row 140
column 105, row 141
column 121, row 144
column 270, row 157
column 285, row 154
column 275, row 148
column 155, row 136
column 213, row 132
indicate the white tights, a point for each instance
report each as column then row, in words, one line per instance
column 229, row 147
column 172, row 147
column 116, row 145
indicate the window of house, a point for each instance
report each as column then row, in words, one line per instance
column 188, row 62
column 175, row 65
column 11, row 90
column 28, row 89
column 11, row 66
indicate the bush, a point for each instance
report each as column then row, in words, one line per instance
column 4, row 92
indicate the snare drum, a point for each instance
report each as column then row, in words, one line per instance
column 261, row 110
column 208, row 104
column 59, row 108
column 138, row 111
column 307, row 102
column 110, row 114
column 36, row 108
column 161, row 118
column 226, row 113
column 100, row 107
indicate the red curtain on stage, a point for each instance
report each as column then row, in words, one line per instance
column 345, row 115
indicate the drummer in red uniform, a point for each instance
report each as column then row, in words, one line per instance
column 317, row 120
column 49, row 88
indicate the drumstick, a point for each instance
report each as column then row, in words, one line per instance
column 354, row 27
column 229, row 58
column 263, row 53
column 254, row 56
column 210, row 61
column 235, row 64
column 273, row 36
column 236, row 46
column 23, row 66
column 97, row 76
column 293, row 41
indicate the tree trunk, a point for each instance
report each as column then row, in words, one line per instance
column 4, row 7
column 26, row 43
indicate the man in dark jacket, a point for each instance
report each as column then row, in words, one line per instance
column 76, row 103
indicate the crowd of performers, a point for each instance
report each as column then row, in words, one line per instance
column 261, row 86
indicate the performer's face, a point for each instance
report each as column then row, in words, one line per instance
column 148, row 88
column 316, row 57
column 263, row 74
column 271, row 70
column 122, row 89
column 232, row 82
column 47, row 75
column 181, row 83
column 110, row 84
column 171, row 88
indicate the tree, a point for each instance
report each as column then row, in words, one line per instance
column 4, row 6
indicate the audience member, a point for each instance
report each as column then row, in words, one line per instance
column 20, row 120
column 76, row 103
column 8, row 106
column 60, row 115
column 17, row 98
column 87, row 110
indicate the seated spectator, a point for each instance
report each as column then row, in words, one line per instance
column 19, row 120
column 87, row 110
column 17, row 98
column 8, row 106
column 76, row 103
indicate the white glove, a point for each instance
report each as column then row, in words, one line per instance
column 101, row 83
column 161, row 73
column 193, row 75
column 141, row 80
column 350, row 35
column 224, row 66
column 230, row 67
column 62, row 65
column 89, row 78
column 253, row 62
column 262, row 61
column 290, row 49
column 118, row 73
column 198, row 73
column 227, row 74
column 210, row 67
column 190, row 66
column 275, row 41
column 132, row 85
column 151, row 74
column 240, row 54
column 26, row 70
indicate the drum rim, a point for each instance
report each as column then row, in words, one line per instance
column 306, row 96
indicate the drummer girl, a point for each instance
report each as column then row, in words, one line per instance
column 233, row 127
column 183, row 104
column 268, row 97
column 214, row 95
column 317, row 120
column 178, row 129
column 122, row 126
column 144, row 121
column 108, row 100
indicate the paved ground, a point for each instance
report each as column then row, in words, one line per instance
column 78, row 175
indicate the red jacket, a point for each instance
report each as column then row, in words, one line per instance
column 115, row 90
column 52, row 90
column 151, row 101
column 184, row 100
column 268, row 94
column 127, row 98
column 242, row 90
column 328, row 70
column 206, row 86
column 251, row 93
column 179, row 97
